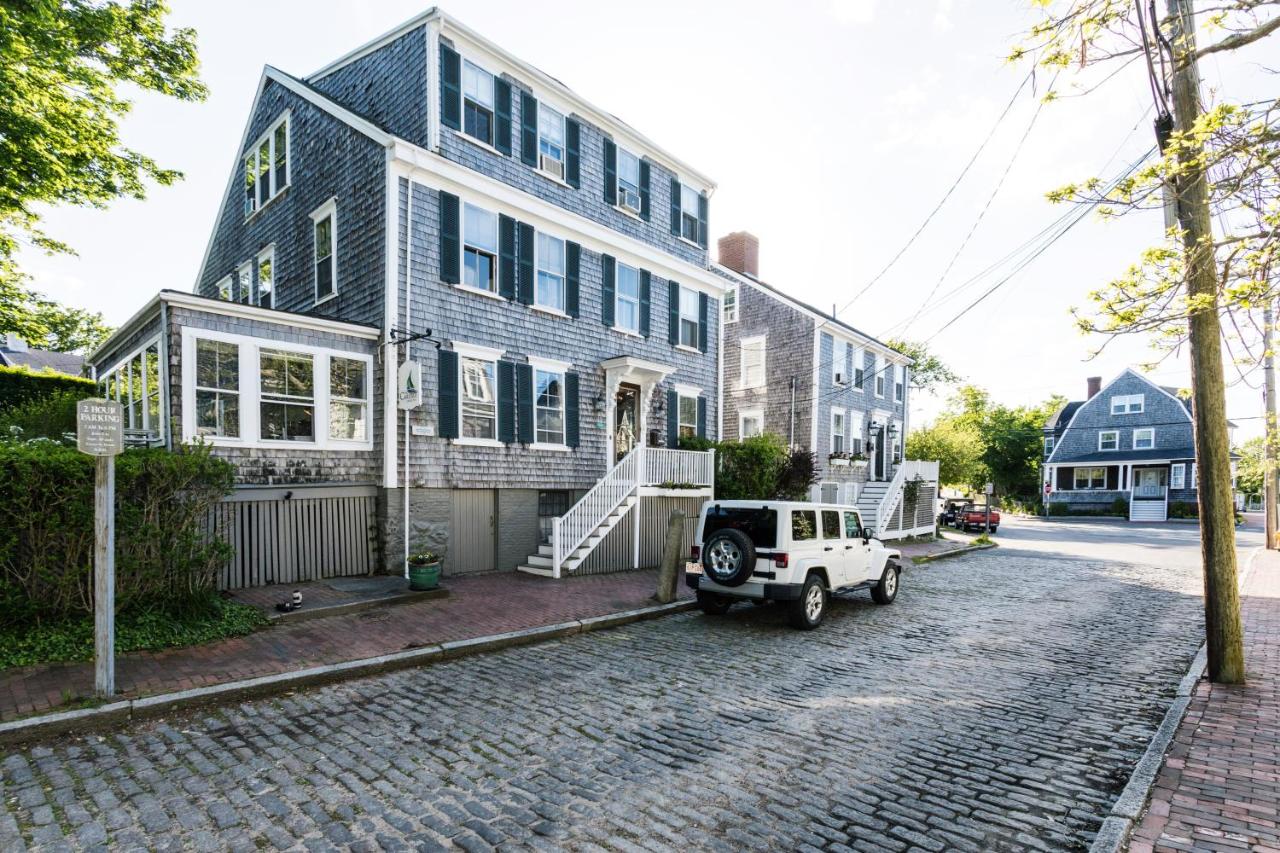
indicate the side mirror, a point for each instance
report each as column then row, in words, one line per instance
column 866, row 536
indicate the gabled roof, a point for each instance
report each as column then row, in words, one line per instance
column 41, row 359
column 1060, row 419
column 1077, row 406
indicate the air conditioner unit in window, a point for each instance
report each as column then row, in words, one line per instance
column 630, row 200
column 839, row 378
column 551, row 166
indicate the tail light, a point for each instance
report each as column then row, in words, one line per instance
column 695, row 552
column 780, row 560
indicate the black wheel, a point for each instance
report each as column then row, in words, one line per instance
column 712, row 604
column 808, row 611
column 886, row 590
column 729, row 557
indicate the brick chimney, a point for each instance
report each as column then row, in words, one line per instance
column 740, row 251
column 1095, row 385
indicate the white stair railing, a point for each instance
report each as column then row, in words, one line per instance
column 910, row 469
column 679, row 467
column 572, row 529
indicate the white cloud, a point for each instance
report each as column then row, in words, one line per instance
column 853, row 11
column 942, row 16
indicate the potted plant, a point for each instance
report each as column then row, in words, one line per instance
column 424, row 570
column 839, row 459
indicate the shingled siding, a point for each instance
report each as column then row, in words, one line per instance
column 860, row 404
column 388, row 86
column 287, row 465
column 454, row 314
column 788, row 354
column 1167, row 415
column 328, row 159
column 589, row 199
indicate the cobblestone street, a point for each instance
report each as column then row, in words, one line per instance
column 1001, row 703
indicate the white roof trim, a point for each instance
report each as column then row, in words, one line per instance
column 1128, row 370
column 268, row 315
column 687, row 390
column 375, row 43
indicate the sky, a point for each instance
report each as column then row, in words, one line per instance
column 832, row 128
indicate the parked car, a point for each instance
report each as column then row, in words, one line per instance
column 793, row 552
column 974, row 517
column 950, row 509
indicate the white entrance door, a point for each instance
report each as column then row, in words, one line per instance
column 1148, row 483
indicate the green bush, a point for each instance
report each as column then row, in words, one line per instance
column 1058, row 508
column 20, row 385
column 52, row 416
column 1183, row 509
column 165, row 557
column 759, row 468
column 1120, row 507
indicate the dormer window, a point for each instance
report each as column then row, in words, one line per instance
column 1048, row 446
column 1128, row 404
column 1109, row 439
column 1144, row 439
column 266, row 167
column 477, row 103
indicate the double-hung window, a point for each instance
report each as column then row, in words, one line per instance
column 217, row 389
column 1144, row 439
column 287, row 398
column 266, row 167
column 837, row 431
column 477, row 103
column 480, row 248
column 879, row 378
column 550, row 291
column 244, row 282
column 1048, row 446
column 1091, row 478
column 730, row 304
column 1128, row 404
column 266, row 278
column 627, row 299
column 839, row 357
column 1108, row 439
column 1178, row 476
column 688, row 416
column 628, row 180
column 859, row 372
column 348, row 399
column 479, row 398
column 689, row 318
column 688, row 213
column 548, row 397
column 550, row 141
column 899, row 381
column 752, row 358
column 750, row 423
column 325, row 230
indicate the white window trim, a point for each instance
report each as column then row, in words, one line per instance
column 564, row 144
column 843, row 433
column 251, row 391
column 101, row 378
column 617, row 298
column 1134, row 438
column 696, row 319
column 244, row 275
column 462, row 348
column 1049, row 441
column 899, row 382
column 497, row 254
column 744, row 344
column 549, row 365
column 859, row 363
column 1125, row 400
column 1178, row 475
column 618, row 192
column 743, row 415
column 837, row 365
column 224, row 286
column 728, row 319
column 1088, row 487
column 256, row 295
column 463, row 61
column 878, row 381
column 537, row 268
column 1114, row 432
column 1195, row 470
column 271, row 172
column 479, row 353
column 687, row 392
column 329, row 208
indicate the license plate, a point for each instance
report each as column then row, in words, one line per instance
column 692, row 568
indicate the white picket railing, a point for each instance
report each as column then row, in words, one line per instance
column 572, row 529
column 680, row 467
column 910, row 469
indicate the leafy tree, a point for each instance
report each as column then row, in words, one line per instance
column 1251, row 470
column 929, row 371
column 47, row 324
column 957, row 447
column 59, row 109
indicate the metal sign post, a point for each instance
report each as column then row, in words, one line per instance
column 100, row 433
column 409, row 378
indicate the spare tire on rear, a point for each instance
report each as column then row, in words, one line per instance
column 728, row 557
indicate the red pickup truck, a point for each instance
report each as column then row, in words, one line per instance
column 974, row 517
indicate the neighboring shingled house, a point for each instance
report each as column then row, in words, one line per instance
column 14, row 352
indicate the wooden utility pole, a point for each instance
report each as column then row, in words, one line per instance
column 104, row 577
column 1269, row 424
column 1224, row 636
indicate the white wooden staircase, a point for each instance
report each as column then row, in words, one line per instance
column 881, row 507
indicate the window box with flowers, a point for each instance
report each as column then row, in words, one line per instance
column 839, row 459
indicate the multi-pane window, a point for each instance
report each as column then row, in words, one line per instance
column 689, row 318
column 750, row 423
column 1048, row 446
column 348, row 399
column 688, row 417
column 477, row 103
column 1144, row 439
column 1178, row 476
column 224, row 289
column 627, row 308
column 217, row 389
column 326, row 269
column 266, row 278
column 548, row 396
column 1108, row 439
column 479, row 400
column 837, row 430
column 550, row 140
column 266, row 167
column 1128, row 404
column 151, row 371
column 855, row 432
column 899, row 381
column 480, row 247
column 879, row 378
column 628, row 180
column 753, row 362
column 730, row 304
column 287, row 399
column 551, row 505
column 688, row 213
column 135, row 384
column 244, row 282
column 1091, row 478
column 550, row 292
column 859, row 372
column 839, row 357
column 134, row 399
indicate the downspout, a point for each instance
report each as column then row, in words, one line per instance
column 408, row 347
column 791, row 431
column 165, row 386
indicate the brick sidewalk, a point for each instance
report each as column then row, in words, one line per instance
column 1219, row 788
column 476, row 607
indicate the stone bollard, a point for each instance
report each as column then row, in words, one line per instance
column 672, row 555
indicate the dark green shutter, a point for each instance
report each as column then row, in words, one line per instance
column 524, row 403
column 506, row 402
column 675, row 207
column 506, row 257
column 673, row 419
column 572, row 274
column 644, row 190
column 450, row 88
column 704, row 313
column 644, row 302
column 610, row 172
column 702, row 417
column 571, row 409
column 502, row 115
column 572, row 156
column 608, row 270
column 528, row 129
column 673, row 312
column 525, row 262
column 448, row 396
column 702, row 220
column 450, row 243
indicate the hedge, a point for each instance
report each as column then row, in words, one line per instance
column 164, row 553
column 20, row 385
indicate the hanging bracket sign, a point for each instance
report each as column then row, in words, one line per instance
column 410, row 383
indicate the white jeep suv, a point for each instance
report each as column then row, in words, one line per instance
column 799, row 553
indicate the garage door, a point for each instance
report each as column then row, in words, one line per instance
column 472, row 534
